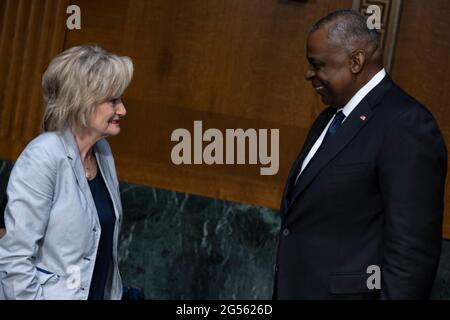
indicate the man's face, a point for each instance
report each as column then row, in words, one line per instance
column 329, row 69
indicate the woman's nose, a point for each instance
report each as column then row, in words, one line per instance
column 121, row 110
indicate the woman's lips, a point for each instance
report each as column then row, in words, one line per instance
column 117, row 122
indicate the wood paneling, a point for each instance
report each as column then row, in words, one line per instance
column 32, row 32
column 422, row 63
column 231, row 64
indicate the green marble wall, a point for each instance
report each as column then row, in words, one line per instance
column 181, row 246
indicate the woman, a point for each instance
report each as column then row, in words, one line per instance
column 64, row 213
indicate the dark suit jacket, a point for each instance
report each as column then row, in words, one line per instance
column 372, row 195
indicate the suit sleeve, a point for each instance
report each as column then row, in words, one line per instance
column 412, row 171
column 30, row 193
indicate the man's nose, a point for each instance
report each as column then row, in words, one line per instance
column 309, row 73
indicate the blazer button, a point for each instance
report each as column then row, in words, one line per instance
column 286, row 232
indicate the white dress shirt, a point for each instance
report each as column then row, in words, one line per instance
column 347, row 109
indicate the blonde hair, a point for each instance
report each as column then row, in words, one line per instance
column 79, row 79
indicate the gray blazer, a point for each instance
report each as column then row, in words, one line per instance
column 52, row 225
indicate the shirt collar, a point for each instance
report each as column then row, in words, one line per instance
column 356, row 99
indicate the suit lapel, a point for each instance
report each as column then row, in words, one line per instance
column 316, row 130
column 357, row 119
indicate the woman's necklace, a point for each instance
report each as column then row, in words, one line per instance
column 89, row 168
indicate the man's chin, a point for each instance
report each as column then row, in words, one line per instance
column 325, row 100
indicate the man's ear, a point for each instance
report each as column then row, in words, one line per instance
column 357, row 61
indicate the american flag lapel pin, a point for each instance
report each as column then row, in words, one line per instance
column 362, row 118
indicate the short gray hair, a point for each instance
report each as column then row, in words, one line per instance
column 349, row 28
column 79, row 79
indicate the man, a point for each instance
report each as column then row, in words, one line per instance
column 366, row 191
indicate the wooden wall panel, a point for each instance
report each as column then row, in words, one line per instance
column 231, row 64
column 32, row 32
column 422, row 64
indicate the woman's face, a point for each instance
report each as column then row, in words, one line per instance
column 106, row 118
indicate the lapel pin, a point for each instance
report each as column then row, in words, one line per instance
column 362, row 118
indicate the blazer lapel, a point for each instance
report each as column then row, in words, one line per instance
column 74, row 156
column 105, row 171
column 101, row 155
column 357, row 119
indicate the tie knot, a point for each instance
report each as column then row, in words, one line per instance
column 335, row 124
column 340, row 116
